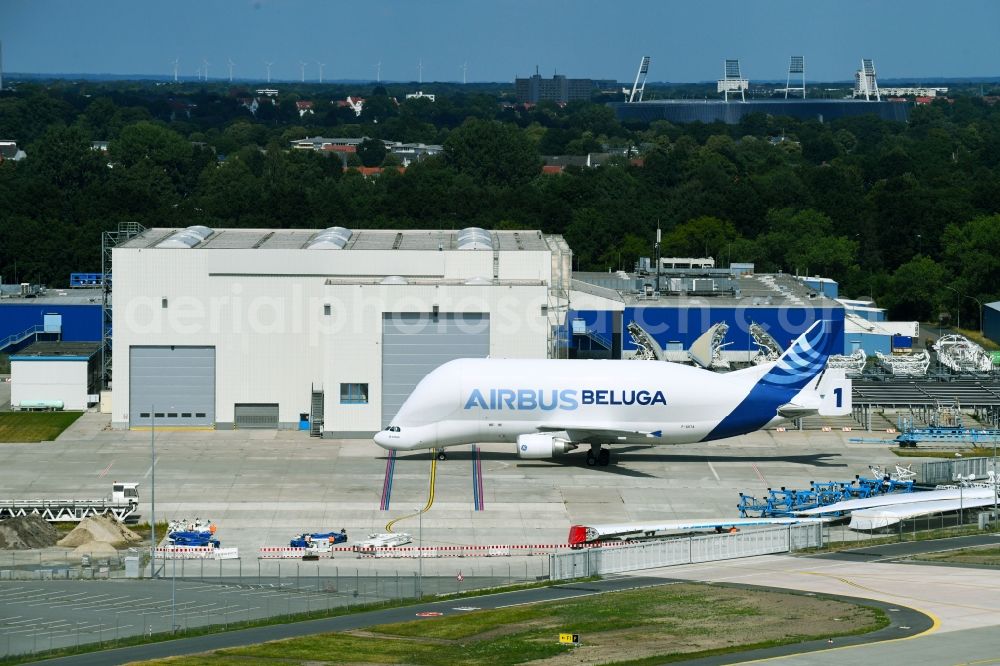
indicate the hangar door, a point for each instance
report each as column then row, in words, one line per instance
column 177, row 382
column 414, row 343
column 254, row 415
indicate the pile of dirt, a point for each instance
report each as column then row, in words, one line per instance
column 27, row 532
column 96, row 549
column 99, row 529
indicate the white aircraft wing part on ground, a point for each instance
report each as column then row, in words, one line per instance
column 900, row 498
column 591, row 533
column 873, row 519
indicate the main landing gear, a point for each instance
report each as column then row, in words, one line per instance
column 598, row 455
column 441, row 455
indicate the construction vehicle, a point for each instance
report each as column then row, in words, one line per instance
column 122, row 504
column 319, row 541
column 197, row 533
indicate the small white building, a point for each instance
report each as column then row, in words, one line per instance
column 420, row 94
column 60, row 375
column 247, row 328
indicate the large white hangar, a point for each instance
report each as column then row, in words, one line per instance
column 224, row 328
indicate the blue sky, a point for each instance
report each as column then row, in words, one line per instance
column 501, row 38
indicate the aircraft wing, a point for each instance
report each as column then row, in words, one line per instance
column 598, row 432
column 579, row 534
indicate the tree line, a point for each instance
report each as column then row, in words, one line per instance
column 907, row 213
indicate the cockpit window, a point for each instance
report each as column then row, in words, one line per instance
column 392, row 428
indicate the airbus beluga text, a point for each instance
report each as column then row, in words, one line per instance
column 550, row 407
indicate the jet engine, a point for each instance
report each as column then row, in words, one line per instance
column 533, row 447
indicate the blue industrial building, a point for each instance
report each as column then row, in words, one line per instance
column 991, row 321
column 603, row 308
column 731, row 113
column 77, row 315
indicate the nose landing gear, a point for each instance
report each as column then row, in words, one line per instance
column 598, row 455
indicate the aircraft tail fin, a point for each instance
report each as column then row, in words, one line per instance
column 806, row 358
column 834, row 389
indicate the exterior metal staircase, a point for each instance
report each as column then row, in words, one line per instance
column 316, row 413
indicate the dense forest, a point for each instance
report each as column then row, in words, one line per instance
column 907, row 213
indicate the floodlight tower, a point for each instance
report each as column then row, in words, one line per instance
column 733, row 82
column 321, row 65
column 797, row 67
column 865, row 82
column 268, row 66
column 302, row 67
column 639, row 86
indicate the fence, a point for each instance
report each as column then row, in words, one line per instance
column 944, row 471
column 654, row 554
column 189, row 594
column 46, row 565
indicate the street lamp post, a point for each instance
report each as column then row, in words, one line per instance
column 958, row 306
column 152, row 491
column 960, row 296
column 420, row 553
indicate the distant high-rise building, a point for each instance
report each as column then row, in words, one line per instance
column 560, row 89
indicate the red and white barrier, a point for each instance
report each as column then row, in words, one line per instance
column 197, row 553
column 269, row 553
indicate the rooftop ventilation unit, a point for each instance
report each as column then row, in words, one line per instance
column 185, row 238
column 474, row 238
column 333, row 238
column 479, row 281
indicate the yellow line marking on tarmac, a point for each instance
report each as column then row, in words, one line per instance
column 430, row 497
column 896, row 594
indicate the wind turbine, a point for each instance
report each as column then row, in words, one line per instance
column 465, row 70
column 268, row 65
column 231, row 65
column 420, row 71
column 175, row 62
column 206, row 63
column 378, row 72
column 321, row 65
column 302, row 66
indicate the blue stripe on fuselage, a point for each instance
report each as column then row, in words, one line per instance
column 753, row 413
column 798, row 366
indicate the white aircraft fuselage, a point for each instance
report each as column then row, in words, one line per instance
column 550, row 406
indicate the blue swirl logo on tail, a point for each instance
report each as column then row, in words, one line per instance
column 799, row 365
column 805, row 359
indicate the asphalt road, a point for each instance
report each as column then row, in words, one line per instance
column 898, row 551
column 276, row 632
column 904, row 622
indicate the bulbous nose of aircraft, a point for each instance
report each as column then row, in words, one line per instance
column 382, row 439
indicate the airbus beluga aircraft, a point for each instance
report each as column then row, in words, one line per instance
column 551, row 407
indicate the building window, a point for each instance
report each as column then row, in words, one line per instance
column 326, row 310
column 354, row 394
